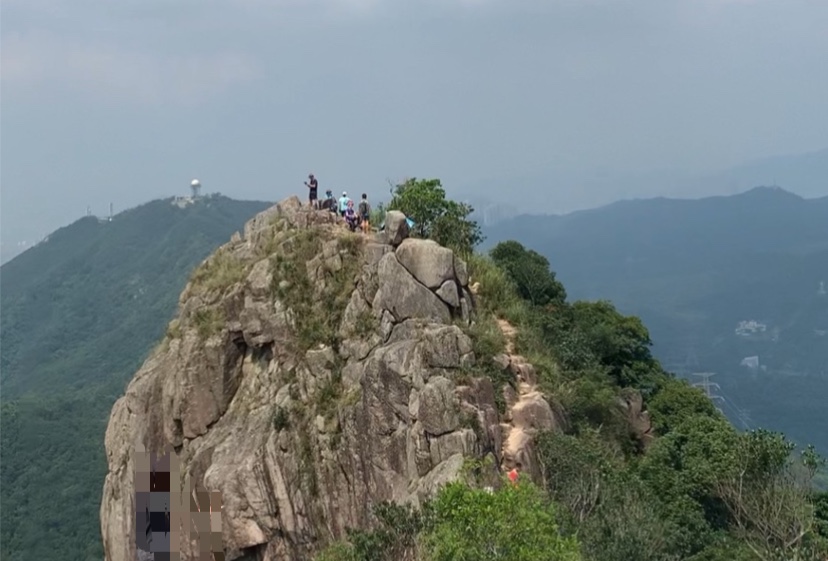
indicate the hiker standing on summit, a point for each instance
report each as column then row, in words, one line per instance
column 312, row 191
column 365, row 214
column 343, row 203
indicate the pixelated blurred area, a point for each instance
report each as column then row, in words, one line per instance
column 165, row 524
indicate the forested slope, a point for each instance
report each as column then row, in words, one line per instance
column 79, row 313
column 693, row 270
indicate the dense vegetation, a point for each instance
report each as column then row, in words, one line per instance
column 80, row 313
column 692, row 270
column 699, row 490
column 436, row 217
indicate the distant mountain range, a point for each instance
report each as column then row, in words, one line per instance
column 733, row 285
column 80, row 312
column 561, row 190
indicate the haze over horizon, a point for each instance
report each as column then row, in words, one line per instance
column 552, row 105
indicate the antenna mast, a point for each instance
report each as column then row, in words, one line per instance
column 110, row 212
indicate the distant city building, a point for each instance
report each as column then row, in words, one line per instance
column 489, row 213
column 751, row 362
column 750, row 327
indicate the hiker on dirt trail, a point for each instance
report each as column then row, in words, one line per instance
column 343, row 203
column 513, row 475
column 313, row 185
column 351, row 218
column 365, row 214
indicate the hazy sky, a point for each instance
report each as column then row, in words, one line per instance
column 128, row 101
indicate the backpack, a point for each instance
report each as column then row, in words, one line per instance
column 364, row 208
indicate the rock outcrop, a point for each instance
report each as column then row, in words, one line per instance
column 310, row 374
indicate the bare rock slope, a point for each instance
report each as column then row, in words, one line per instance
column 310, row 374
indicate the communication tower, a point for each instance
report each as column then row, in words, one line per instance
column 195, row 185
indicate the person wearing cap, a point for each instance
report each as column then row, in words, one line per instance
column 343, row 203
column 312, row 185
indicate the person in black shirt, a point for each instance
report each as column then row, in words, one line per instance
column 329, row 203
column 312, row 185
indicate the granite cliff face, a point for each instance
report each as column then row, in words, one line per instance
column 310, row 374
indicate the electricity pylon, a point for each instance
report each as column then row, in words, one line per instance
column 706, row 384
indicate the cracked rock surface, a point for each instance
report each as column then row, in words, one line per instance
column 303, row 441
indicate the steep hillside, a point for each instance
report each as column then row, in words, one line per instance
column 360, row 397
column 85, row 306
column 693, row 270
column 79, row 314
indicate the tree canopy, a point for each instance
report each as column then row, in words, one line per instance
column 435, row 217
column 530, row 271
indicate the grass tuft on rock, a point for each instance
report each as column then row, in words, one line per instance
column 208, row 321
column 317, row 302
column 219, row 272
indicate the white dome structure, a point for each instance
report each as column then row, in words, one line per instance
column 195, row 185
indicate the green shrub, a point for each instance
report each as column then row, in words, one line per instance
column 530, row 272
column 281, row 419
column 365, row 324
column 337, row 551
column 496, row 292
column 445, row 221
column 395, row 537
column 514, row 523
column 487, row 342
column 219, row 272
column 208, row 321
column 675, row 403
column 487, row 338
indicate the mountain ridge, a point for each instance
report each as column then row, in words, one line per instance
column 129, row 258
column 574, row 379
column 694, row 269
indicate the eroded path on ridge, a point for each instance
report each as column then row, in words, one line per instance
column 527, row 411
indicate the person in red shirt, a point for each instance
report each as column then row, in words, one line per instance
column 513, row 475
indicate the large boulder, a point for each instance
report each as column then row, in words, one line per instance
column 405, row 297
column 429, row 262
column 396, row 227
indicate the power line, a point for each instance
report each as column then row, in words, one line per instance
column 741, row 414
column 706, row 384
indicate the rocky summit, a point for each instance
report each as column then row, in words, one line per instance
column 310, row 374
